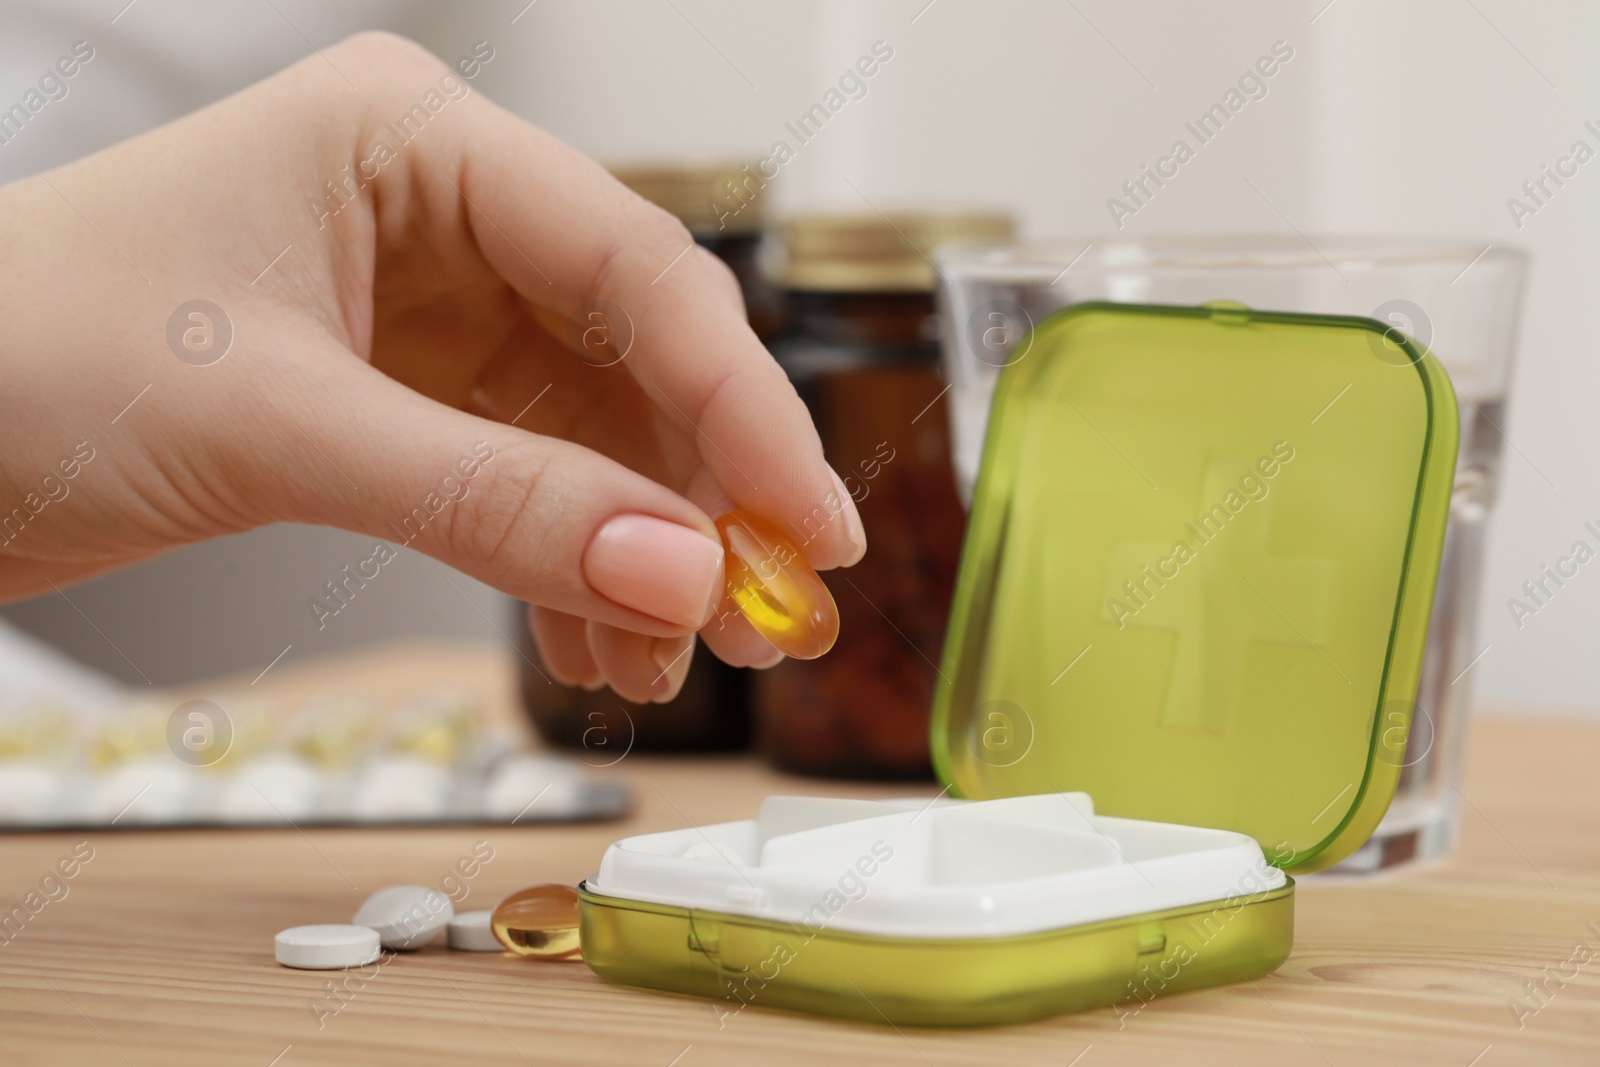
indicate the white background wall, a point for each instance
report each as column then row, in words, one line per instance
column 1416, row 118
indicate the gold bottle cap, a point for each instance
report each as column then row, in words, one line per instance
column 852, row 253
column 710, row 198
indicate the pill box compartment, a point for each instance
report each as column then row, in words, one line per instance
column 952, row 912
column 1194, row 586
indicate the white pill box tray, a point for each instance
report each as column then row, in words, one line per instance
column 942, row 912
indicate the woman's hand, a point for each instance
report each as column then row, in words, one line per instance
column 422, row 319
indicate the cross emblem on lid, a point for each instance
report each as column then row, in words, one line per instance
column 1220, row 589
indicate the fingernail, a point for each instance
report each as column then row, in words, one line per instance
column 672, row 655
column 853, row 529
column 667, row 651
column 657, row 567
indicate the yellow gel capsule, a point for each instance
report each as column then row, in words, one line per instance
column 540, row 923
column 776, row 590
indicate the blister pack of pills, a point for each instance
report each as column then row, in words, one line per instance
column 234, row 760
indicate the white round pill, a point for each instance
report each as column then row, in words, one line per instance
column 401, row 789
column 276, row 788
column 149, row 791
column 405, row 916
column 530, row 788
column 471, row 932
column 30, row 793
column 329, row 947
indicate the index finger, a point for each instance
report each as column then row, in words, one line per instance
column 569, row 237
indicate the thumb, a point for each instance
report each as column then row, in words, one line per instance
column 542, row 519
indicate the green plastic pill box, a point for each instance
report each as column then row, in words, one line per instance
column 1180, row 666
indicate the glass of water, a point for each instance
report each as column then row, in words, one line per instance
column 1461, row 300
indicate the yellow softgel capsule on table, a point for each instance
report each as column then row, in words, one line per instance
column 776, row 590
column 540, row 922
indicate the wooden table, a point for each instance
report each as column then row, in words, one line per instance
column 162, row 951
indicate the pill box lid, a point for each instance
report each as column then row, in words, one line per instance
column 1198, row 572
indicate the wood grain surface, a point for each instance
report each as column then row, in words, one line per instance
column 161, row 953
